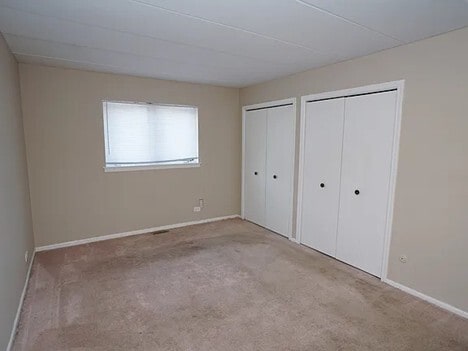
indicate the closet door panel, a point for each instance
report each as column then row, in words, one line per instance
column 280, row 164
column 255, row 130
column 365, row 179
column 321, row 174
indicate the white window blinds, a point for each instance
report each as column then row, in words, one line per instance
column 146, row 134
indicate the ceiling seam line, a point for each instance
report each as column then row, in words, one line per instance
column 102, row 65
column 235, row 28
column 304, row 3
column 142, row 35
column 115, row 51
column 63, row 59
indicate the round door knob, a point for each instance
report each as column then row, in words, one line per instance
column 356, row 192
column 255, row 173
column 274, row 176
column 322, row 185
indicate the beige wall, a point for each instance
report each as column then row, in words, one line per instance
column 15, row 214
column 431, row 209
column 73, row 198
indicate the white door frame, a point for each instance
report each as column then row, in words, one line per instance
column 270, row 104
column 399, row 87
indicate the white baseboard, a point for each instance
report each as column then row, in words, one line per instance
column 294, row 240
column 133, row 232
column 427, row 298
column 418, row 294
column 20, row 305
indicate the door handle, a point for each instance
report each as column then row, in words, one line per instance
column 357, row 192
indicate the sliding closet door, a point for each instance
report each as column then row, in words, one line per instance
column 365, row 178
column 255, row 166
column 279, row 168
column 321, row 174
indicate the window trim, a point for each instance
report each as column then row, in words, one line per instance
column 108, row 169
column 155, row 166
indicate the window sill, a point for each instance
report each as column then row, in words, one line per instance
column 150, row 167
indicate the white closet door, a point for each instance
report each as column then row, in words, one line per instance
column 280, row 164
column 321, row 174
column 255, row 164
column 365, row 178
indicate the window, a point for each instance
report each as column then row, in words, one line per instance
column 145, row 135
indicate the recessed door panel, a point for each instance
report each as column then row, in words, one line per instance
column 279, row 173
column 365, row 179
column 255, row 165
column 321, row 174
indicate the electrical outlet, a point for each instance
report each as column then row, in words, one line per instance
column 26, row 256
column 197, row 209
column 403, row 259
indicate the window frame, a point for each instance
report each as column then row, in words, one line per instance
column 153, row 166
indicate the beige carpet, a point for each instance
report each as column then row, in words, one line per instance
column 227, row 285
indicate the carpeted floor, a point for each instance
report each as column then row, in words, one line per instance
column 222, row 286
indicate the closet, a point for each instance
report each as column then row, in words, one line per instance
column 346, row 163
column 269, row 134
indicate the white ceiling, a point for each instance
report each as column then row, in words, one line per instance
column 223, row 42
